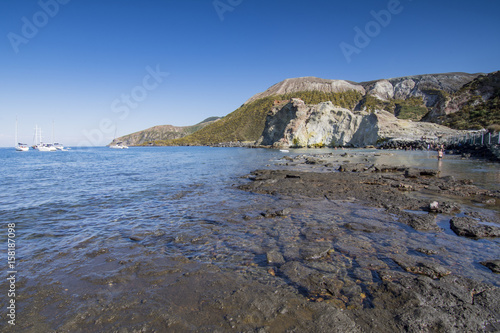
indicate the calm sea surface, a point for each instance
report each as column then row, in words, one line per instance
column 96, row 226
column 57, row 199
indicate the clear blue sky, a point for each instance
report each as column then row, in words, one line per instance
column 87, row 65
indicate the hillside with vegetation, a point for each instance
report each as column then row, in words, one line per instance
column 457, row 100
column 162, row 132
column 248, row 121
column 476, row 105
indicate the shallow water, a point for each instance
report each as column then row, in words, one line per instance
column 87, row 219
column 482, row 172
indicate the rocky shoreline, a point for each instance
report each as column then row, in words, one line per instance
column 315, row 243
column 416, row 285
column 463, row 150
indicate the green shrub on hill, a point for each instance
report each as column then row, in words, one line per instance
column 412, row 108
column 476, row 114
column 248, row 121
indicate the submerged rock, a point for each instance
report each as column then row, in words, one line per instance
column 494, row 265
column 469, row 227
column 274, row 257
column 427, row 268
column 426, row 251
column 431, row 270
column 422, row 222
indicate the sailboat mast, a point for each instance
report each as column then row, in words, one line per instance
column 16, row 134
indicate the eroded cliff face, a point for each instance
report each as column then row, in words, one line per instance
column 297, row 124
column 425, row 86
column 479, row 91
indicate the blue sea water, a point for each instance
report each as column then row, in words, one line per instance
column 96, row 198
column 58, row 198
column 91, row 223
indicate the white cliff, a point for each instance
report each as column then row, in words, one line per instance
column 299, row 125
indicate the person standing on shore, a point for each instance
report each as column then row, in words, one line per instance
column 440, row 152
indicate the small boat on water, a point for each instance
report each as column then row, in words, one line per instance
column 119, row 145
column 60, row 147
column 45, row 147
column 38, row 144
column 284, row 150
column 20, row 146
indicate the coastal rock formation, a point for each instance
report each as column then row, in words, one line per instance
column 162, row 132
column 427, row 85
column 469, row 227
column 456, row 100
column 297, row 124
column 398, row 88
column 382, row 89
column 478, row 96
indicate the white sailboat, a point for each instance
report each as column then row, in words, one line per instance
column 118, row 145
column 21, row 146
column 38, row 144
column 57, row 145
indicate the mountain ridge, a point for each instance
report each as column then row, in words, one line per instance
column 414, row 98
column 162, row 133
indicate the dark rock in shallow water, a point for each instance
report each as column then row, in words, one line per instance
column 447, row 208
column 427, row 251
column 315, row 252
column 312, row 160
column 412, row 173
column 283, row 212
column 422, row 222
column 431, row 270
column 352, row 167
column 389, row 168
column 427, row 268
column 469, row 227
column 417, row 173
column 274, row 257
column 494, row 265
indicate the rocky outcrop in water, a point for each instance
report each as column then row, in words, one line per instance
column 297, row 124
